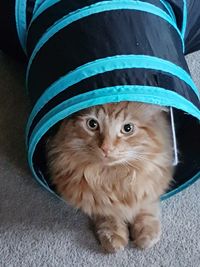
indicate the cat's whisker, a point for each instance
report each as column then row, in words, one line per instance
column 124, row 164
column 131, row 165
column 147, row 160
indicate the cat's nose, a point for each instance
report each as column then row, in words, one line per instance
column 106, row 150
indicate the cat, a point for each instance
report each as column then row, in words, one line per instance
column 113, row 162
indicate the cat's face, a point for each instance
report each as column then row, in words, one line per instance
column 113, row 134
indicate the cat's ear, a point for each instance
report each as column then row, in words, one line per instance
column 160, row 108
column 153, row 110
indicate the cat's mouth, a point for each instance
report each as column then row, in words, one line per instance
column 110, row 159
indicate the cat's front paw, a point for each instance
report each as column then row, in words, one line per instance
column 112, row 233
column 144, row 241
column 146, row 234
column 112, row 242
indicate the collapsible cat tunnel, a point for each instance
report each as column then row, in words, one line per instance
column 82, row 53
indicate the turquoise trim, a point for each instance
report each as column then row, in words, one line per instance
column 37, row 4
column 39, row 8
column 108, row 64
column 97, row 8
column 43, row 183
column 181, row 187
column 165, row 196
column 42, row 6
column 147, row 94
column 184, row 25
column 169, row 9
column 20, row 18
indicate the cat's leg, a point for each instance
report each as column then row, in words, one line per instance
column 112, row 233
column 146, row 228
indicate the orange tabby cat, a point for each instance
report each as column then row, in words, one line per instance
column 113, row 162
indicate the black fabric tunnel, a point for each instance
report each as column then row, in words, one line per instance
column 85, row 53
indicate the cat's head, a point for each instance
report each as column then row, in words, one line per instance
column 112, row 134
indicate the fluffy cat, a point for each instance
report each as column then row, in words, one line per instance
column 113, row 162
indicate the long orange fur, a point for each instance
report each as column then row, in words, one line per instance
column 122, row 189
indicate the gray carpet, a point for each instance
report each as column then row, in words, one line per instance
column 36, row 229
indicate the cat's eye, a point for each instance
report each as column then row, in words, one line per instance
column 128, row 128
column 92, row 124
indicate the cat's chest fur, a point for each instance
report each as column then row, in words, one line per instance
column 104, row 191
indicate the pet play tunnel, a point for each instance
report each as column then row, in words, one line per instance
column 82, row 53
